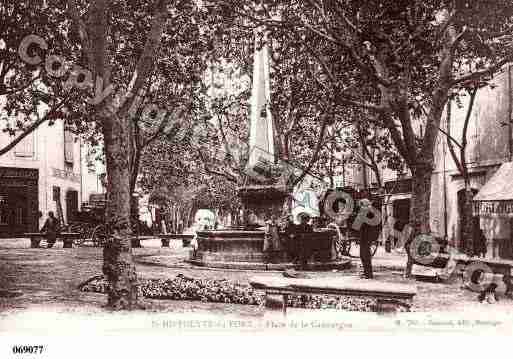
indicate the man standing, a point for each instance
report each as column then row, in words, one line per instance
column 304, row 246
column 51, row 229
column 368, row 235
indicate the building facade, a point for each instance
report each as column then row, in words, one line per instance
column 489, row 145
column 489, row 137
column 46, row 171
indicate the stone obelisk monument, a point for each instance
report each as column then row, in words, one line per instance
column 261, row 134
column 262, row 198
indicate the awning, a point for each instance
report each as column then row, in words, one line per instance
column 495, row 199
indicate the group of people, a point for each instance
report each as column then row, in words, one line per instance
column 299, row 250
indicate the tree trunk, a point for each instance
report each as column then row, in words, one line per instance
column 135, row 159
column 234, row 220
column 419, row 214
column 174, row 220
column 118, row 264
column 467, row 228
column 134, row 220
column 190, row 215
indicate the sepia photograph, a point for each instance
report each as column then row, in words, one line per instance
column 261, row 167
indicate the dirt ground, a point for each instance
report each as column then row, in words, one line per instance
column 46, row 280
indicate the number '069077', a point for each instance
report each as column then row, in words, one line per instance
column 27, row 349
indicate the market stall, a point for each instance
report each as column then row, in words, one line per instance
column 494, row 205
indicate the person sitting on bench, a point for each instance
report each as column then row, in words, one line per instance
column 51, row 229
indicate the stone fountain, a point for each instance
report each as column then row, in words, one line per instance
column 259, row 243
column 253, row 247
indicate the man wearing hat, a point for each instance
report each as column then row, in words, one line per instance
column 304, row 248
column 368, row 234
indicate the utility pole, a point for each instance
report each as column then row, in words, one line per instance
column 510, row 146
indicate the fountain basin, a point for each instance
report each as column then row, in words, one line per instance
column 243, row 249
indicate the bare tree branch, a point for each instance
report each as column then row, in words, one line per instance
column 21, row 88
column 146, row 61
column 81, row 30
column 365, row 105
column 463, row 148
column 449, row 143
column 230, row 177
column 315, row 156
column 478, row 74
column 33, row 127
column 372, row 164
column 450, row 138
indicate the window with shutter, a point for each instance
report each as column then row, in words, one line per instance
column 473, row 140
column 56, row 191
column 26, row 147
column 68, row 146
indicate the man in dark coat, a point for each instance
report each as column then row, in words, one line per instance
column 368, row 234
column 51, row 229
column 304, row 247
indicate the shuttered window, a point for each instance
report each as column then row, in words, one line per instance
column 25, row 148
column 68, row 146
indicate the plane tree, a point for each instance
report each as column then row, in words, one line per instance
column 123, row 45
column 409, row 55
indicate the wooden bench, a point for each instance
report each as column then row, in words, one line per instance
column 185, row 238
column 388, row 295
column 66, row 237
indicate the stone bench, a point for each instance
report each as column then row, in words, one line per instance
column 388, row 295
column 502, row 267
column 185, row 238
column 136, row 240
column 66, row 237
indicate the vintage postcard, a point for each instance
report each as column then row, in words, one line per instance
column 270, row 168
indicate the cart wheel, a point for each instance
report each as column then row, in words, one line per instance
column 374, row 247
column 78, row 229
column 99, row 236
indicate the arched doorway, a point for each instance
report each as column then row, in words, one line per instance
column 401, row 213
column 462, row 219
